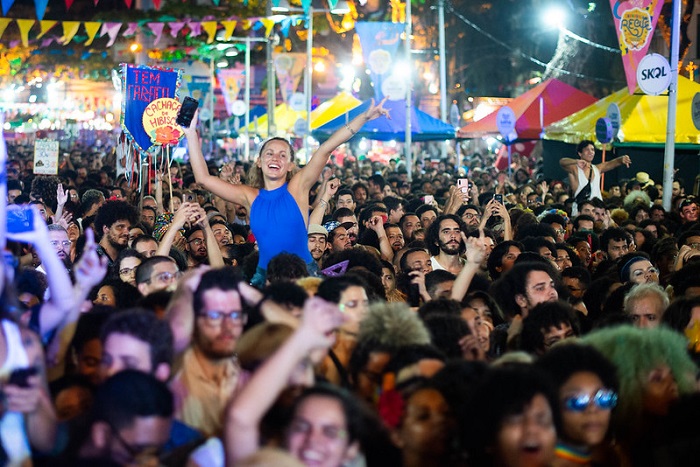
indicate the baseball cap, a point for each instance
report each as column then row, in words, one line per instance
column 317, row 229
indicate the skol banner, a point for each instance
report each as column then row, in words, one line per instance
column 635, row 21
column 142, row 85
column 380, row 41
column 289, row 68
column 230, row 81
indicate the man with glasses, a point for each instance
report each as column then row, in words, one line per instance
column 112, row 223
column 155, row 274
column 209, row 323
column 58, row 237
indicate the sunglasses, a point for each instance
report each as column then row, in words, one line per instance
column 604, row 399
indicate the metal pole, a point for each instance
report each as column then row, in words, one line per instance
column 407, row 145
column 271, row 100
column 211, row 105
column 247, row 99
column 443, row 69
column 669, row 152
column 307, row 80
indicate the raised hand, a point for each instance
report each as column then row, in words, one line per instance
column 476, row 247
column 626, row 161
column 226, row 172
column 61, row 195
column 376, row 111
column 332, row 186
column 39, row 232
column 91, row 268
column 318, row 322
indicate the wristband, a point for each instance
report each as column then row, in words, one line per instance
column 351, row 130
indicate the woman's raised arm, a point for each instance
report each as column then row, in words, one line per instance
column 239, row 194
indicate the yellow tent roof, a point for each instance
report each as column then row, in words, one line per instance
column 285, row 117
column 643, row 118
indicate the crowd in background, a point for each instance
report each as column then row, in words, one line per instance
column 450, row 316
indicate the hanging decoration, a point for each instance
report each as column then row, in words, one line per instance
column 380, row 41
column 230, row 80
column 157, row 29
column 91, row 28
column 142, row 85
column 210, row 28
column 46, row 26
column 24, row 26
column 40, row 6
column 289, row 68
column 112, row 30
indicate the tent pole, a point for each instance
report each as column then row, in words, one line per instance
column 669, row 152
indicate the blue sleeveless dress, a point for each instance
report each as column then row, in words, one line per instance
column 278, row 226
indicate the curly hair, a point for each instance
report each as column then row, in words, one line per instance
column 432, row 237
column 111, row 212
column 394, row 325
column 44, row 187
column 635, row 353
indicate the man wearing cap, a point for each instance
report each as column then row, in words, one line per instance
column 338, row 237
column 582, row 171
column 318, row 237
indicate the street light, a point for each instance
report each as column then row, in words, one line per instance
column 283, row 6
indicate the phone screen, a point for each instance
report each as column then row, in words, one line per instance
column 187, row 110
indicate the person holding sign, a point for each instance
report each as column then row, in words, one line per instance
column 584, row 177
column 277, row 199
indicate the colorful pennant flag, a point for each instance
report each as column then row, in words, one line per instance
column 269, row 24
column 289, row 68
column 70, row 29
column 131, row 29
column 6, row 5
column 40, row 6
column 230, row 80
column 46, row 26
column 229, row 27
column 24, row 26
column 380, row 41
column 175, row 27
column 69, row 3
column 635, row 23
column 157, row 29
column 4, row 22
column 91, row 28
column 112, row 30
column 195, row 28
column 210, row 28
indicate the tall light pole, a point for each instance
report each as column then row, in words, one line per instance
column 443, row 69
column 669, row 152
column 407, row 142
column 271, row 92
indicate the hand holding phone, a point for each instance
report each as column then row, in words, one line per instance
column 186, row 113
column 498, row 197
column 20, row 376
column 428, row 199
column 20, row 219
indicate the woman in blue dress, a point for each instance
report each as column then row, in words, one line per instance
column 278, row 202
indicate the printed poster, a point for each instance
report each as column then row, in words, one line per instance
column 45, row 157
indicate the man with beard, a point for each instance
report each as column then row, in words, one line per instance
column 409, row 223
column 58, row 236
column 209, row 374
column 445, row 243
column 338, row 237
column 395, row 236
column 318, row 238
column 242, row 217
column 346, row 216
column 113, row 221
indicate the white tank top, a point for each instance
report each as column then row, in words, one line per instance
column 13, row 435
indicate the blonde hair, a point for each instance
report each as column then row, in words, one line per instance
column 255, row 174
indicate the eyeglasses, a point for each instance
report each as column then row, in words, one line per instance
column 694, row 246
column 560, row 231
column 196, row 241
column 126, row 271
column 165, row 276
column 62, row 244
column 470, row 216
column 604, row 399
column 641, row 272
column 216, row 318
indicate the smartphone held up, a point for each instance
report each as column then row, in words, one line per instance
column 187, row 110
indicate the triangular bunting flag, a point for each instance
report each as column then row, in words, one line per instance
column 24, row 26
column 336, row 270
column 112, row 30
column 69, row 3
column 70, row 29
column 3, row 25
column 229, row 27
column 210, row 28
column 6, row 5
column 216, row 2
column 157, row 29
column 195, row 28
column 48, row 41
column 175, row 27
column 332, row 4
column 131, row 29
column 40, row 7
column 245, row 24
column 46, row 27
column 91, row 28
column 305, row 5
column 128, row 4
column 156, row 3
column 269, row 24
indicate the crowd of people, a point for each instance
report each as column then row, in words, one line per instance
column 353, row 314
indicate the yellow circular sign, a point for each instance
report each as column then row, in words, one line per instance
column 159, row 121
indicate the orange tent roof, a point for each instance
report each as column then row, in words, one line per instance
column 559, row 100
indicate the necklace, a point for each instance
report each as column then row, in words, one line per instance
column 572, row 454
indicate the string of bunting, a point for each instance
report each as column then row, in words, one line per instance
column 190, row 28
